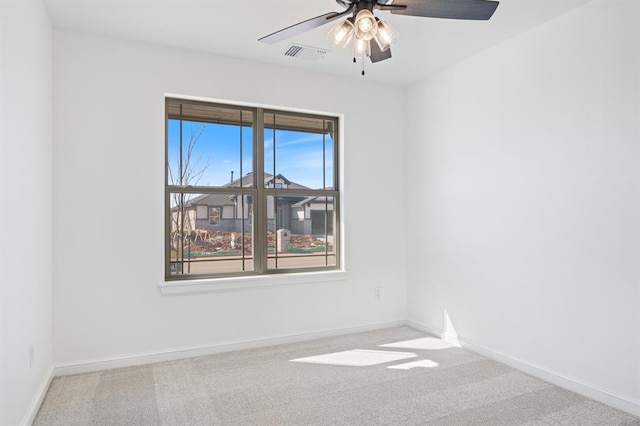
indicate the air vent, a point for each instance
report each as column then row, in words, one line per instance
column 305, row 52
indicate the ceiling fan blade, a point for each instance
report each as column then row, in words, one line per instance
column 389, row 6
column 480, row 10
column 304, row 26
column 378, row 55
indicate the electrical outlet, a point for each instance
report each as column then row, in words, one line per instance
column 377, row 292
column 32, row 351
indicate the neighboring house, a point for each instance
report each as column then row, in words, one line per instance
column 225, row 212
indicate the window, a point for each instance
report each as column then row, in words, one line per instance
column 214, row 216
column 201, row 212
column 249, row 191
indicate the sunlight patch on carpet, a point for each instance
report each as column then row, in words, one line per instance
column 423, row 363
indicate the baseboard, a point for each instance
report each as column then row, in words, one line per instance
column 558, row 379
column 31, row 413
column 181, row 353
column 437, row 332
column 570, row 383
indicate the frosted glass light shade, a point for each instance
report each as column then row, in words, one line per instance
column 386, row 35
column 341, row 34
column 361, row 48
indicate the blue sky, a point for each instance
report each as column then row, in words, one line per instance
column 217, row 149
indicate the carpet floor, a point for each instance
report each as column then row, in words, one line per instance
column 396, row 376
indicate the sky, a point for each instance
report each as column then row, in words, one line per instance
column 216, row 152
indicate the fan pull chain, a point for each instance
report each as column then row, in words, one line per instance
column 355, row 60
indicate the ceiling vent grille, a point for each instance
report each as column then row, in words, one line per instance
column 305, row 52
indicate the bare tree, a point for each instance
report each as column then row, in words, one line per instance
column 190, row 169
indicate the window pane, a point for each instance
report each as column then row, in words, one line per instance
column 208, row 145
column 329, row 178
column 300, row 232
column 173, row 152
column 220, row 242
column 299, row 151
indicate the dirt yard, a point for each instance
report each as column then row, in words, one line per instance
column 204, row 240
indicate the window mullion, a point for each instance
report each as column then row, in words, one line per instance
column 337, row 209
column 275, row 199
column 260, row 209
column 167, row 204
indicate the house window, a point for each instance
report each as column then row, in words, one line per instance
column 214, row 216
column 249, row 191
column 201, row 212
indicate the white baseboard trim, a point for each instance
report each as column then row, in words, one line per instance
column 590, row 391
column 91, row 366
column 606, row 397
column 425, row 328
column 31, row 413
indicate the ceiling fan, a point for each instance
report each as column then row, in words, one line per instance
column 366, row 27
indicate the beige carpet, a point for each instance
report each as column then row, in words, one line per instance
column 346, row 380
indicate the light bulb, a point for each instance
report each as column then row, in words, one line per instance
column 366, row 25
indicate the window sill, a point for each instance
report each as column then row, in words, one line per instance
column 215, row 285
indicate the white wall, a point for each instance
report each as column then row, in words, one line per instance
column 25, row 206
column 109, row 156
column 524, row 163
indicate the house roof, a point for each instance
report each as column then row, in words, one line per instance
column 211, row 200
column 311, row 199
column 245, row 182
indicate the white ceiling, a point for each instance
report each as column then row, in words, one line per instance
column 232, row 28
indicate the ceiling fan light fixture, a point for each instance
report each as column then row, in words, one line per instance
column 365, row 25
column 386, row 35
column 341, row 35
column 361, row 21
